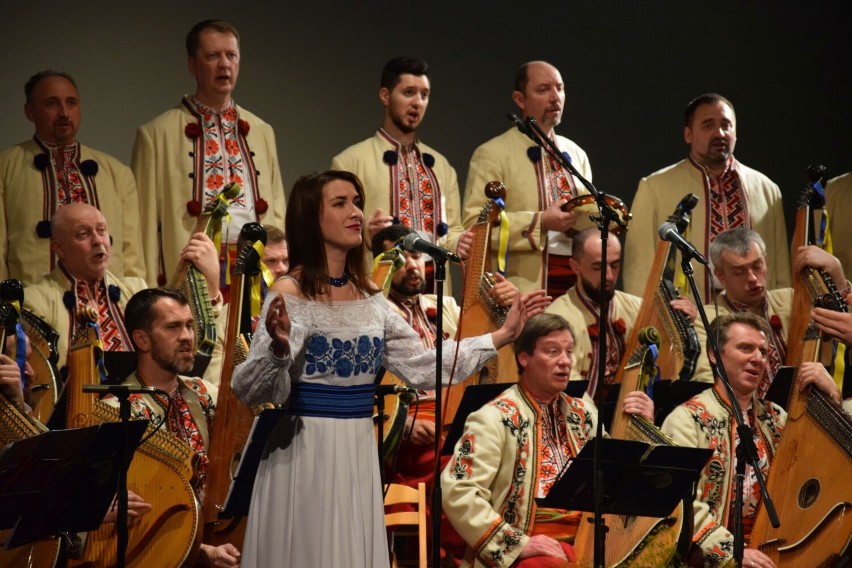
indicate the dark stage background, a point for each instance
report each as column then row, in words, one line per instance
column 311, row 69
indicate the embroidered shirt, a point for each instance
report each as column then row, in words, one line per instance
column 555, row 451
column 110, row 316
column 225, row 159
column 614, row 343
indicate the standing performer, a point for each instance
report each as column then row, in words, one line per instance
column 403, row 178
column 39, row 176
column 186, row 156
column 317, row 499
column 732, row 195
column 537, row 185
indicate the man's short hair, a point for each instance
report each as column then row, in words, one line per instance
column 194, row 35
column 139, row 313
column 578, row 241
column 390, row 233
column 705, row 99
column 522, row 75
column 535, row 328
column 274, row 234
column 720, row 326
column 31, row 83
column 398, row 66
column 738, row 240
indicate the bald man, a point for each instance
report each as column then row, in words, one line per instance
column 537, row 185
column 80, row 239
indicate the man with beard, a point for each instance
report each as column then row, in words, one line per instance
column 81, row 240
column 581, row 305
column 160, row 324
column 415, row 460
column 40, row 176
column 405, row 180
column 732, row 195
column 276, row 256
column 539, row 242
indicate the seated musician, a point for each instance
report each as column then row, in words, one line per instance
column 415, row 460
column 705, row 421
column 838, row 325
column 739, row 263
column 581, row 304
column 161, row 327
column 81, row 240
column 276, row 255
column 11, row 383
column 499, row 466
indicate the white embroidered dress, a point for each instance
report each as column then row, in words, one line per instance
column 317, row 499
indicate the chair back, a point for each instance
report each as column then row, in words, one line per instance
column 398, row 494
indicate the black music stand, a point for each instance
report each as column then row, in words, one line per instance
column 62, row 480
column 782, row 386
column 473, row 398
column 670, row 394
column 638, row 478
column 239, row 495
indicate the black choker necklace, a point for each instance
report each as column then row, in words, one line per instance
column 339, row 282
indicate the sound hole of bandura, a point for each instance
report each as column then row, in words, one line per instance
column 808, row 493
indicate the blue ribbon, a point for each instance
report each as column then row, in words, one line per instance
column 99, row 353
column 649, row 389
column 21, row 353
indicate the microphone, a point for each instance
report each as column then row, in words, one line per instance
column 519, row 124
column 122, row 390
column 384, row 390
column 668, row 232
column 413, row 243
column 524, row 127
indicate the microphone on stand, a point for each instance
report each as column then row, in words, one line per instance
column 413, row 243
column 525, row 128
column 668, row 232
column 384, row 390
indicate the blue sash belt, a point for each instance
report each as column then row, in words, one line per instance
column 328, row 401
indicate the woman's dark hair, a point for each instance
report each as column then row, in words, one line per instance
column 305, row 240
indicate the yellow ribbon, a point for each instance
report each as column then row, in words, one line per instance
column 680, row 278
column 503, row 247
column 840, row 351
column 254, row 281
column 221, row 200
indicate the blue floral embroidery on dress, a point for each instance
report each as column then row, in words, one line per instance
column 343, row 357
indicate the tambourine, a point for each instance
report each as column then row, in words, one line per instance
column 585, row 207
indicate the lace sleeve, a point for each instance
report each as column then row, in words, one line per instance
column 263, row 377
column 406, row 357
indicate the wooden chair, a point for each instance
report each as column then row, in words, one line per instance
column 402, row 494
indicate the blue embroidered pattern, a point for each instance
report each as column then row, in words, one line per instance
column 343, row 358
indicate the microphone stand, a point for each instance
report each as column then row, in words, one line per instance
column 380, row 424
column 747, row 449
column 440, row 277
column 607, row 215
column 122, row 393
